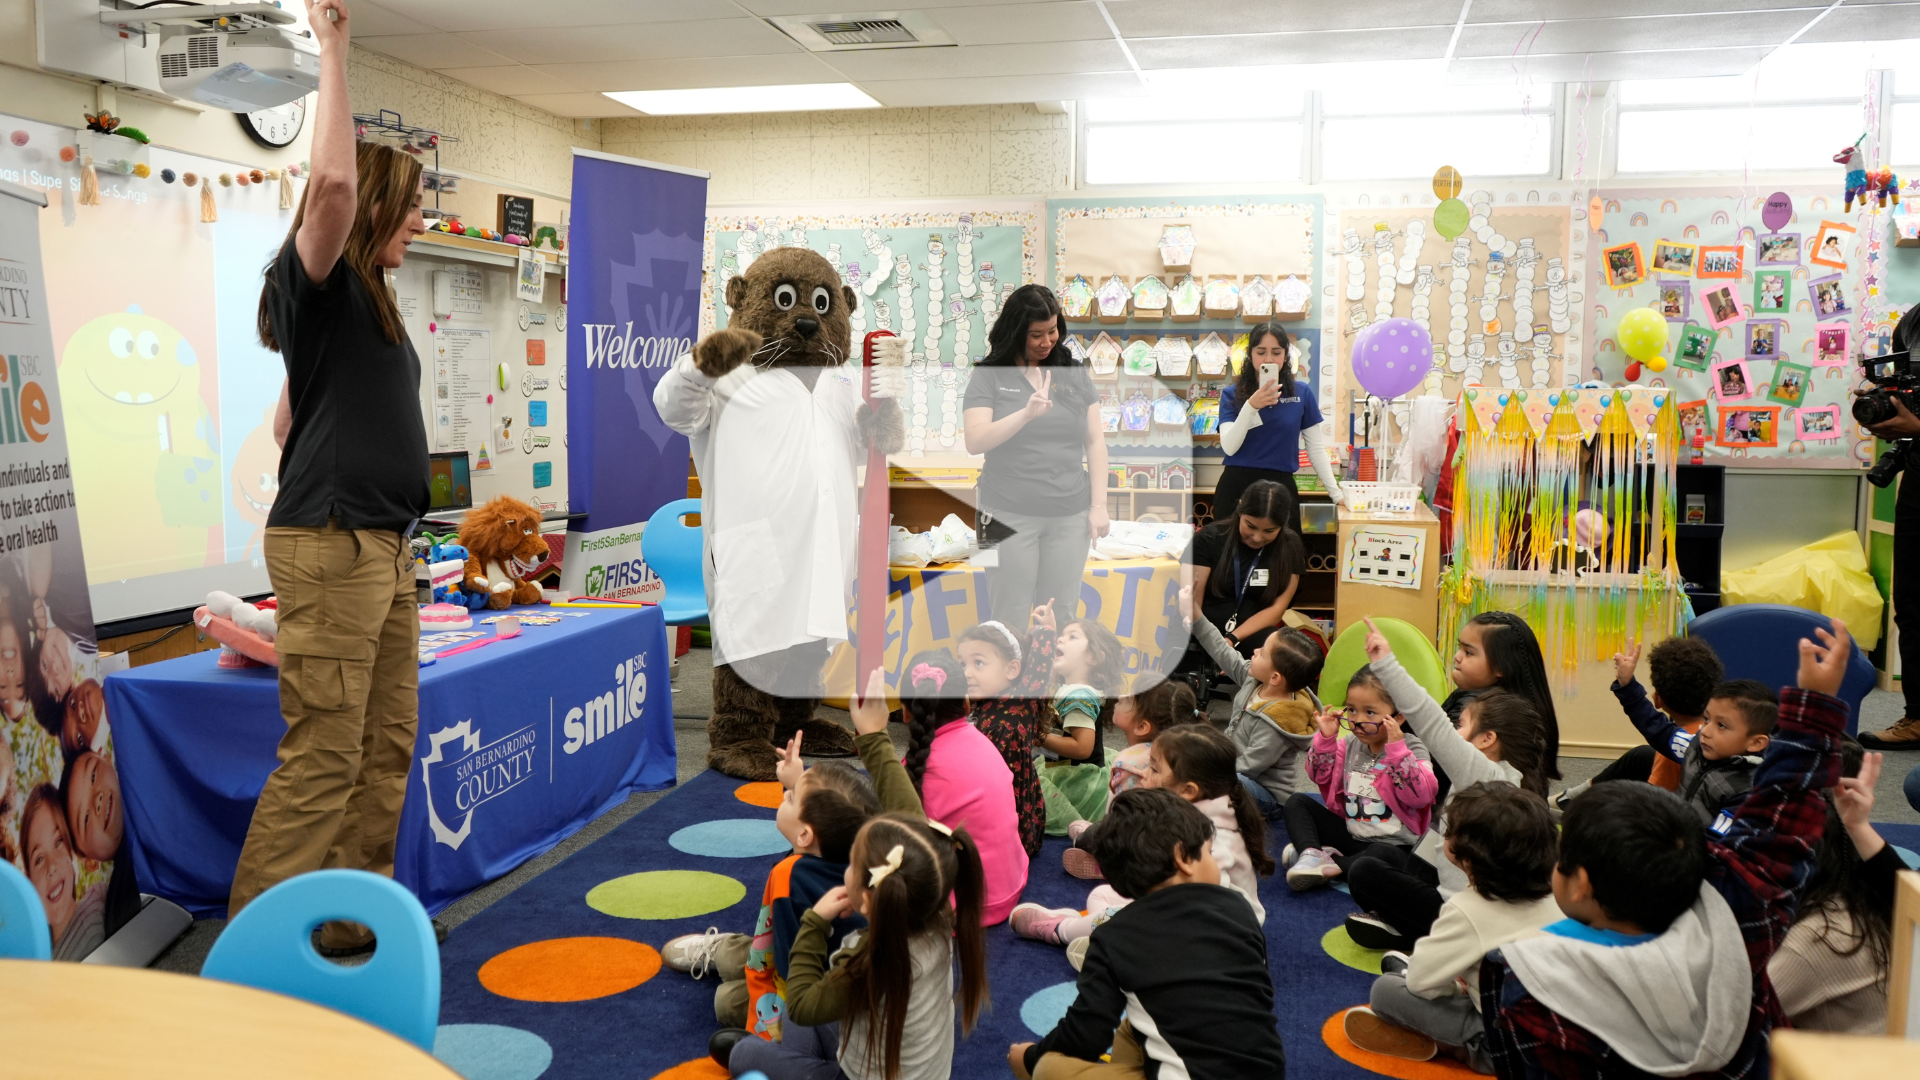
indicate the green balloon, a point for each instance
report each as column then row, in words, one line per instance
column 1450, row 218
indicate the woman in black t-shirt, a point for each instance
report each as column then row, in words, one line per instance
column 353, row 480
column 1032, row 410
column 1246, row 568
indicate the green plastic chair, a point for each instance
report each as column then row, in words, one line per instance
column 1410, row 647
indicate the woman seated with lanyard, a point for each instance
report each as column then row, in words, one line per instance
column 1265, row 416
column 1246, row 568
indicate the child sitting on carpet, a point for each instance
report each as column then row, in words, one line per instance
column 1500, row 738
column 1502, row 838
column 1271, row 721
column 1377, row 783
column 1684, row 671
column 1718, row 760
column 1142, row 716
column 960, row 775
column 882, row 1005
column 1007, row 700
column 1194, row 762
column 1185, row 962
column 1706, row 913
column 1087, row 661
column 821, row 810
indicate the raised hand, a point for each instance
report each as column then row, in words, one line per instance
column 1377, row 647
column 1823, row 663
column 328, row 21
column 1854, row 797
column 1043, row 616
column 790, row 767
column 1624, row 662
column 870, row 712
column 1042, row 399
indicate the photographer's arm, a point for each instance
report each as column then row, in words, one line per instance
column 1904, row 424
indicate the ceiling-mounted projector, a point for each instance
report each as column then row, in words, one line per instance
column 237, row 57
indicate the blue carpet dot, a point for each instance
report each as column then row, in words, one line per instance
column 1342, row 886
column 1045, row 1008
column 731, row 838
column 1908, row 856
column 492, row 1052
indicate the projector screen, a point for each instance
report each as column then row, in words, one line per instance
column 168, row 394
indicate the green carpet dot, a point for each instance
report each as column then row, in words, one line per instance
column 666, row 894
column 1342, row 948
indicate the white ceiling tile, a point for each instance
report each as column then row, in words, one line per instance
column 979, row 61
column 1011, row 24
column 827, row 8
column 1485, row 11
column 1170, row 18
column 519, row 14
column 1868, row 22
column 371, row 20
column 508, row 81
column 1599, row 67
column 1629, row 35
column 693, row 74
column 652, row 41
column 915, row 93
column 433, row 50
column 578, row 104
column 1318, row 47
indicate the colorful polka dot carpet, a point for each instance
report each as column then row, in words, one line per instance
column 563, row 978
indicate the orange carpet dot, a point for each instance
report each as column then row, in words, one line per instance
column 1440, row 1068
column 766, row 794
column 570, row 969
column 698, row 1069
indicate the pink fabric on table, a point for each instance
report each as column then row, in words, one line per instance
column 968, row 783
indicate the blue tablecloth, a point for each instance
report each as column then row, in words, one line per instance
column 520, row 744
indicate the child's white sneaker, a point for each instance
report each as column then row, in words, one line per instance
column 1039, row 923
column 694, row 954
column 1310, row 870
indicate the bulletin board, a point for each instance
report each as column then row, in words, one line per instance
column 1518, row 332
column 493, row 373
column 936, row 277
column 1768, row 391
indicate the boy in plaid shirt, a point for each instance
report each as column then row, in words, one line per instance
column 1660, row 968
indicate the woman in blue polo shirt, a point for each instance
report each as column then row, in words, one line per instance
column 1263, row 438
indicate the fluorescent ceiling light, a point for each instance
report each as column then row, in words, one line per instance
column 800, row 97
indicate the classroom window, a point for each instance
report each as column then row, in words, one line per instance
column 1174, row 152
column 1382, row 132
column 1787, row 113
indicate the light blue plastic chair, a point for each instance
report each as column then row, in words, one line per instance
column 674, row 550
column 269, row 946
column 23, row 919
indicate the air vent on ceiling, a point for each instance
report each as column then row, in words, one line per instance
column 851, row 31
column 865, row 32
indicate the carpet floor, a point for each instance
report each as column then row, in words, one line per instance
column 561, row 977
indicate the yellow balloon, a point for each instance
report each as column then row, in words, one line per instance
column 1642, row 333
column 1657, row 363
column 1446, row 182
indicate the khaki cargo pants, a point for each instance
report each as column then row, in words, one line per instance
column 349, row 639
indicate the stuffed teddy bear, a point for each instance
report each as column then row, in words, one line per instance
column 778, row 430
column 504, row 548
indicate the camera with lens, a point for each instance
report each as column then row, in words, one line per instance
column 1894, row 378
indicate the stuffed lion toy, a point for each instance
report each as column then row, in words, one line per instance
column 504, row 547
column 774, row 452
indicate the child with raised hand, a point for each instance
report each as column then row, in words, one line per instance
column 1500, row 738
column 1496, row 650
column 1142, row 716
column 1185, row 962
column 1502, row 837
column 1718, row 760
column 1087, row 660
column 960, row 775
column 821, row 811
column 1703, row 914
column 1831, row 970
column 1684, row 671
column 1377, row 783
column 1008, row 701
column 1271, row 721
column 1195, row 762
column 881, row 1006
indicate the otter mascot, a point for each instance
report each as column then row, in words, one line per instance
column 778, row 426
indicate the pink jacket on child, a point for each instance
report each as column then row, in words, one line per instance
column 968, row 783
column 1408, row 792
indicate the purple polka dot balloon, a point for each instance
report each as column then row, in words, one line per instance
column 1391, row 357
